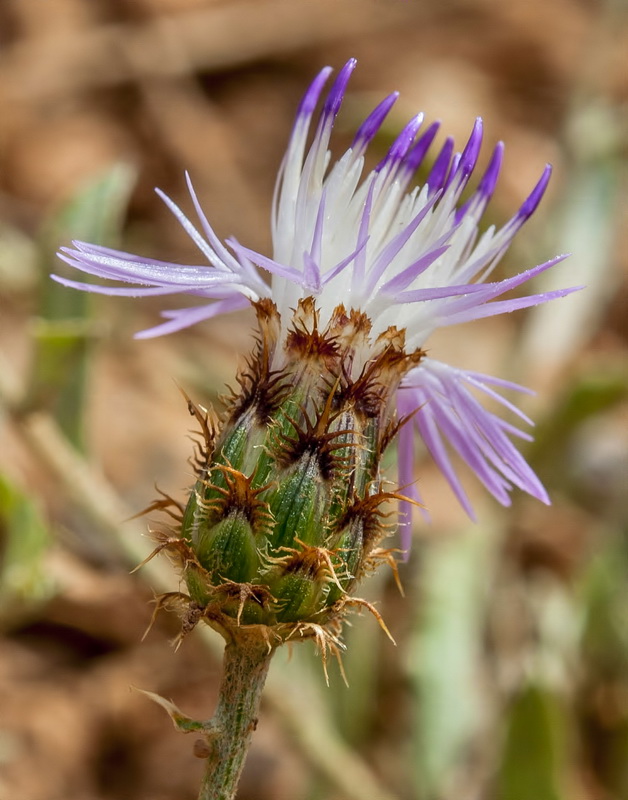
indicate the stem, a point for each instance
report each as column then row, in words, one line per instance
column 246, row 663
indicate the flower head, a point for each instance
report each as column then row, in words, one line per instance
column 403, row 259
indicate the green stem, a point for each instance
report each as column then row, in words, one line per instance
column 246, row 663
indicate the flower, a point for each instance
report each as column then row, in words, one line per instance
column 410, row 259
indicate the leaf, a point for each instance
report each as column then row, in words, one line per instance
column 25, row 539
column 65, row 331
column 534, row 752
column 604, row 601
column 181, row 721
column 94, row 214
column 586, row 397
column 444, row 655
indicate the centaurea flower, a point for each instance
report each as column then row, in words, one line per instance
column 408, row 257
column 286, row 513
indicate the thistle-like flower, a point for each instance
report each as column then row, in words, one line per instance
column 289, row 495
column 288, row 509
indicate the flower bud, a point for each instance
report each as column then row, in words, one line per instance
column 285, row 515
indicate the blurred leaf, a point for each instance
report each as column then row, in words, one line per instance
column 354, row 707
column 94, row 214
column 615, row 762
column 64, row 334
column 59, row 370
column 292, row 683
column 604, row 600
column 586, row 397
column 534, row 751
column 604, row 661
column 445, row 654
column 180, row 720
column 24, row 540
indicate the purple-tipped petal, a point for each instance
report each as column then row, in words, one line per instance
column 436, row 178
column 309, row 100
column 486, row 186
column 371, row 125
column 401, row 145
column 415, row 157
column 337, row 91
column 534, row 198
column 453, row 173
column 469, row 156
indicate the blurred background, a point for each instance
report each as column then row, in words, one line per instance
column 510, row 676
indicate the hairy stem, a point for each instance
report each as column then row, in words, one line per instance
column 246, row 663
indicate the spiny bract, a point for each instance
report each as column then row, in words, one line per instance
column 286, row 514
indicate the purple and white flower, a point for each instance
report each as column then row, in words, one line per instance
column 410, row 256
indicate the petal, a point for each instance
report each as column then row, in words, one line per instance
column 185, row 318
column 371, row 125
column 448, row 412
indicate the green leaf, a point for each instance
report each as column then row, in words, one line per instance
column 604, row 603
column 444, row 655
column 24, row 541
column 94, row 214
column 65, row 331
column 181, row 721
column 355, row 707
column 588, row 396
column 534, row 751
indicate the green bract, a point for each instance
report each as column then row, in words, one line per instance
column 285, row 515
